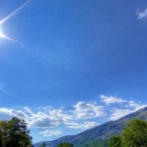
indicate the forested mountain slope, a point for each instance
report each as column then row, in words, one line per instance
column 99, row 135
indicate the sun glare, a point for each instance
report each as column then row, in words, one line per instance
column 6, row 37
column 1, row 34
column 7, row 18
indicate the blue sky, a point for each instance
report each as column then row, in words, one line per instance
column 76, row 64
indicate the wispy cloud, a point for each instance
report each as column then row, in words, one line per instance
column 49, row 133
column 142, row 14
column 128, row 106
column 135, row 106
column 118, row 113
column 111, row 99
column 131, row 107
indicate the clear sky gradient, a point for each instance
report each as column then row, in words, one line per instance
column 78, row 63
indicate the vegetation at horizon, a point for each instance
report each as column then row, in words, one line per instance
column 133, row 135
column 14, row 133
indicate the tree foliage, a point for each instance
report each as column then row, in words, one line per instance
column 15, row 133
column 1, row 138
column 115, row 141
column 135, row 134
column 65, row 144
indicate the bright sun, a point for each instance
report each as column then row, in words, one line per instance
column 8, row 17
column 6, row 37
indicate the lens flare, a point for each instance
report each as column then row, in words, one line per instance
column 9, row 16
column 6, row 37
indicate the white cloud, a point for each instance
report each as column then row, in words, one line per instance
column 111, row 99
column 87, row 110
column 53, row 118
column 135, row 105
column 49, row 133
column 76, row 118
column 118, row 113
column 142, row 15
column 50, row 118
column 132, row 107
column 85, row 125
column 28, row 110
column 6, row 114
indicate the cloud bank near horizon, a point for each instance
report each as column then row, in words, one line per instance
column 81, row 116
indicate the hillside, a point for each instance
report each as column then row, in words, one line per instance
column 99, row 135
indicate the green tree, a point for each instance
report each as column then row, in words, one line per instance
column 1, row 138
column 3, row 135
column 115, row 141
column 15, row 133
column 135, row 134
column 65, row 144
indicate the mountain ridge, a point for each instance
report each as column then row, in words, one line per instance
column 99, row 133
